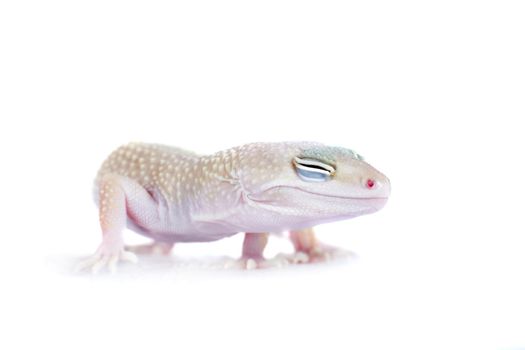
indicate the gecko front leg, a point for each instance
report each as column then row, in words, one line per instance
column 119, row 198
column 253, row 249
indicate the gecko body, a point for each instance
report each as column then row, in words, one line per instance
column 172, row 195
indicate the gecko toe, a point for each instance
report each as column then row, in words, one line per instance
column 103, row 259
column 251, row 264
column 112, row 264
column 99, row 264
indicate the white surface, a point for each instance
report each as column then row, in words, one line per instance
column 432, row 94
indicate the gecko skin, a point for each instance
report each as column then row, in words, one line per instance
column 171, row 195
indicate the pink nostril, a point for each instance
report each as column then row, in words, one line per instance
column 370, row 183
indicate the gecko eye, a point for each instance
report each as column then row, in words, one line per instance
column 313, row 170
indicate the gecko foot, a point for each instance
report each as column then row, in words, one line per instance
column 154, row 248
column 259, row 262
column 246, row 263
column 319, row 253
column 104, row 257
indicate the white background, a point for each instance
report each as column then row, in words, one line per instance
column 431, row 93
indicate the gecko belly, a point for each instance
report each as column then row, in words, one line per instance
column 176, row 235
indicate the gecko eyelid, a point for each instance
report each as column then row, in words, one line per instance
column 313, row 170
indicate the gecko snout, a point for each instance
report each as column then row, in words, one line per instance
column 378, row 185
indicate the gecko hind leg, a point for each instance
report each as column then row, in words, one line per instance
column 308, row 249
column 153, row 248
column 119, row 197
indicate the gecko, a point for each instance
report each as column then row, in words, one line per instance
column 173, row 196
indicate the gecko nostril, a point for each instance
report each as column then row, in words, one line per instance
column 370, row 183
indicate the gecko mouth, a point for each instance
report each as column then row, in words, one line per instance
column 375, row 203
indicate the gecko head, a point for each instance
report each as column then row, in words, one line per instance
column 312, row 182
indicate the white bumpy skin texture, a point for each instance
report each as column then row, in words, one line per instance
column 172, row 195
